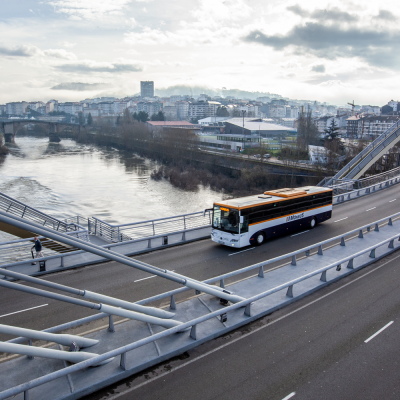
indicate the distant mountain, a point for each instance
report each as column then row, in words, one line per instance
column 197, row 90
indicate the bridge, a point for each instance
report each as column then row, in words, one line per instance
column 367, row 157
column 10, row 128
column 130, row 315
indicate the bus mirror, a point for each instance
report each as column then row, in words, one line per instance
column 241, row 219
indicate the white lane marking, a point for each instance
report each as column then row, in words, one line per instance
column 149, row 277
column 27, row 309
column 250, row 333
column 341, row 219
column 300, row 233
column 392, row 200
column 289, row 396
column 369, row 209
column 377, row 333
column 232, row 254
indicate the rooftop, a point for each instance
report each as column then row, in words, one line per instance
column 171, row 123
column 271, row 196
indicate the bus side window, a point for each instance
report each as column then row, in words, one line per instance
column 244, row 227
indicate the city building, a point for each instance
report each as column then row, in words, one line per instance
column 150, row 107
column 158, row 126
column 170, row 113
column 212, row 120
column 258, row 127
column 16, row 108
column 146, row 89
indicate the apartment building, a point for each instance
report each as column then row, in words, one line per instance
column 16, row 108
column 150, row 107
column 202, row 109
column 182, row 109
column 147, row 88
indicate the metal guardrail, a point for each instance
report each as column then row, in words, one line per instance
column 346, row 185
column 19, row 209
column 246, row 304
column 149, row 241
column 365, row 152
column 15, row 250
column 156, row 227
column 337, row 199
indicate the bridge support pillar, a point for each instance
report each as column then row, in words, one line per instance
column 9, row 137
column 9, row 133
column 53, row 134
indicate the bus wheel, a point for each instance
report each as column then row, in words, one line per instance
column 260, row 238
column 313, row 222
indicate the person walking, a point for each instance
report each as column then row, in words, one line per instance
column 38, row 249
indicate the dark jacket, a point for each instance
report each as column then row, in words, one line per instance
column 38, row 245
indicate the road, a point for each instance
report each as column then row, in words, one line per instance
column 200, row 260
column 328, row 346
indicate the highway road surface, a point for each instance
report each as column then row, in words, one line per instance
column 342, row 343
column 205, row 259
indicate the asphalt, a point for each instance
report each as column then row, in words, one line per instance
column 200, row 260
column 312, row 349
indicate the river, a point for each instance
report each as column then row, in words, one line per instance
column 68, row 178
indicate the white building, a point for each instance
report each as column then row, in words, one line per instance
column 106, row 107
column 182, row 109
column 170, row 113
column 94, row 112
column 120, row 106
column 202, row 109
column 16, row 108
column 212, row 120
column 393, row 104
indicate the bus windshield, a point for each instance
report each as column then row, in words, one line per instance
column 226, row 219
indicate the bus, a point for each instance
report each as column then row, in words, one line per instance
column 254, row 219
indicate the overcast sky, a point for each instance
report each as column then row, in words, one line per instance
column 334, row 51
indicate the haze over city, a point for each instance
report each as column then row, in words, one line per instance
column 332, row 51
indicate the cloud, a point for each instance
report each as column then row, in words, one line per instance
column 67, row 44
column 296, row 9
column 80, row 87
column 376, row 47
column 386, row 16
column 18, row 51
column 89, row 9
column 318, row 68
column 333, row 14
column 86, row 66
column 59, row 53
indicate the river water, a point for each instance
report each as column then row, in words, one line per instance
column 68, row 178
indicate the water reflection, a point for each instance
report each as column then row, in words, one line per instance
column 68, row 178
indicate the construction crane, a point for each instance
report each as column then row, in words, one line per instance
column 352, row 107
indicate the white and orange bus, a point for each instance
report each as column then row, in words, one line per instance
column 252, row 220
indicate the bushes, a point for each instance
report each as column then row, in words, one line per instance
column 3, row 149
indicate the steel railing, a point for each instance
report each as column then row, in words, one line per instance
column 143, row 229
column 246, row 303
column 365, row 152
column 19, row 209
column 341, row 186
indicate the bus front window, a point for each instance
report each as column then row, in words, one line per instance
column 226, row 219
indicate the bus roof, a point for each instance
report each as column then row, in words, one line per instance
column 271, row 196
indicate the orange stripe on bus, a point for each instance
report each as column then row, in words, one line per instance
column 288, row 215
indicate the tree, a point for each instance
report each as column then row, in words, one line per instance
column 332, row 132
column 81, row 119
column 141, row 116
column 307, row 131
column 222, row 112
column 332, row 141
column 127, row 118
column 236, row 113
column 158, row 117
column 89, row 119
